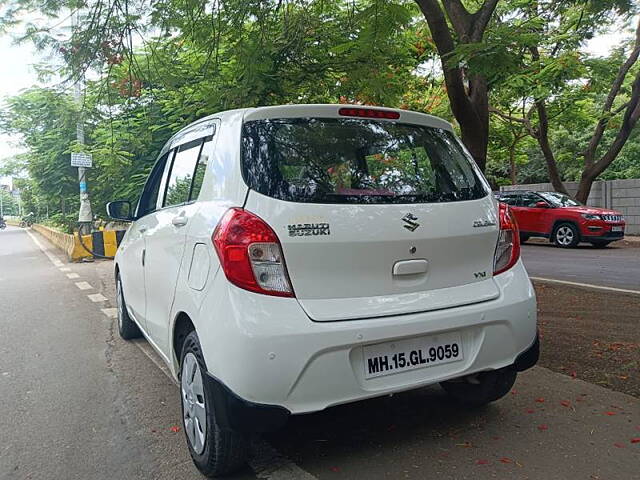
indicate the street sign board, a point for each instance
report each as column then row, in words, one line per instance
column 81, row 160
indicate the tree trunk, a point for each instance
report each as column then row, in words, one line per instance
column 470, row 105
column 512, row 162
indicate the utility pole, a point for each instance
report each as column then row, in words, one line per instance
column 85, row 217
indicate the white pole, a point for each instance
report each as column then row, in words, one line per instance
column 85, row 215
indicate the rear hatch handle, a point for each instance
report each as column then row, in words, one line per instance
column 410, row 267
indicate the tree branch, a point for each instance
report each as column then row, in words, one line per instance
column 596, row 138
column 481, row 19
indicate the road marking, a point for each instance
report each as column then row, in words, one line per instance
column 73, row 275
column 110, row 312
column 97, row 297
column 267, row 463
column 586, row 285
column 83, row 286
column 55, row 260
column 65, row 269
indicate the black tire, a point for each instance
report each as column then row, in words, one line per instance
column 600, row 244
column 566, row 235
column 23, row 225
column 225, row 451
column 482, row 389
column 127, row 328
column 524, row 238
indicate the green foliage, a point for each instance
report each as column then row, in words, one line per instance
column 162, row 64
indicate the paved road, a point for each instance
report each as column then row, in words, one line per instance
column 617, row 267
column 76, row 402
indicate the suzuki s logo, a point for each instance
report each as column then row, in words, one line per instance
column 410, row 221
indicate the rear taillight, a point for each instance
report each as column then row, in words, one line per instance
column 250, row 254
column 508, row 248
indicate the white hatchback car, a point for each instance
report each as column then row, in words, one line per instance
column 285, row 259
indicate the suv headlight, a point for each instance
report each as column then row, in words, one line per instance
column 591, row 216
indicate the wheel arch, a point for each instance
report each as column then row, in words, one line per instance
column 182, row 326
column 560, row 221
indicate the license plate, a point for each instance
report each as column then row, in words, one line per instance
column 616, row 229
column 404, row 355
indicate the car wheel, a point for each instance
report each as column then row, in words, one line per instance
column 214, row 450
column 566, row 235
column 481, row 389
column 524, row 238
column 127, row 328
column 600, row 244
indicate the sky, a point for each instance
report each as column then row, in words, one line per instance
column 16, row 72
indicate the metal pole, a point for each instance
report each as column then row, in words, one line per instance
column 85, row 216
column 1, row 203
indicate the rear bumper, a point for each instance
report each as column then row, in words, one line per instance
column 236, row 413
column 266, row 350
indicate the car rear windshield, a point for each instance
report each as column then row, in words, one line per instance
column 320, row 160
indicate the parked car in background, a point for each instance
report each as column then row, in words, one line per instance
column 562, row 220
column 283, row 260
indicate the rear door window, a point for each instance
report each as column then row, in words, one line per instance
column 356, row 161
column 182, row 172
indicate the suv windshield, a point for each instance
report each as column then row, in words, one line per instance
column 324, row 160
column 558, row 199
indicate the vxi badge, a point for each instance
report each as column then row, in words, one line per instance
column 410, row 220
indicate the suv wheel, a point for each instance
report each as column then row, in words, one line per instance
column 127, row 328
column 215, row 451
column 481, row 389
column 566, row 235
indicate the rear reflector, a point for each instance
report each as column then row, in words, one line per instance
column 368, row 113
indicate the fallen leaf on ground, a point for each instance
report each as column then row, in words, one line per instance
column 531, row 410
column 619, row 445
column 540, row 400
column 610, row 413
column 574, row 374
column 335, row 469
column 482, row 462
column 635, row 440
column 175, row 429
column 565, row 403
column 505, row 460
column 543, row 427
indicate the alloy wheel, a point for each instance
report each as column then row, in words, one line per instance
column 193, row 403
column 564, row 235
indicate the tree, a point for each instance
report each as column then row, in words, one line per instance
column 468, row 91
column 555, row 83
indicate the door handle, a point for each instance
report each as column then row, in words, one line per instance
column 142, row 229
column 179, row 221
column 144, row 254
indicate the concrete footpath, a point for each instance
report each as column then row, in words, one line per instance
column 78, row 402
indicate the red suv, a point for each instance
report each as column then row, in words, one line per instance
column 562, row 220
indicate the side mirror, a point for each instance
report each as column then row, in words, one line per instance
column 542, row 204
column 120, row 210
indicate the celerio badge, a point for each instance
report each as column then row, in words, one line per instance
column 410, row 220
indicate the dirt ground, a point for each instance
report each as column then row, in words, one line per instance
column 592, row 335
